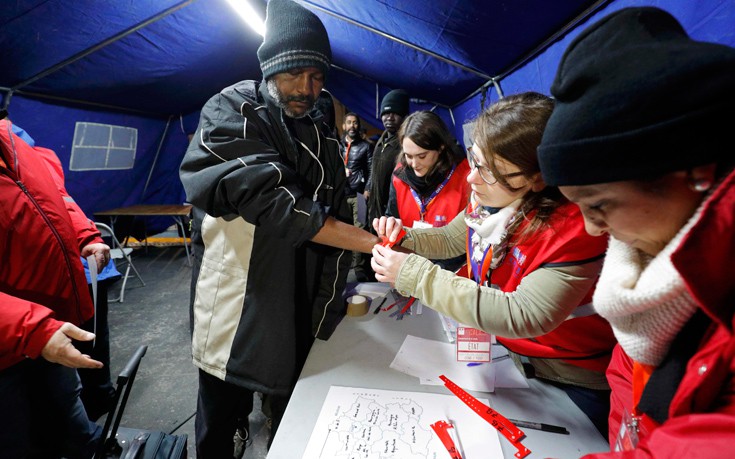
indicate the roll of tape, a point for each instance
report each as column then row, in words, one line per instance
column 357, row 305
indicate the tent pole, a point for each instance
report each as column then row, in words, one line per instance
column 563, row 31
column 377, row 100
column 377, row 93
column 398, row 40
column 536, row 51
column 484, row 87
column 349, row 71
column 82, row 102
column 155, row 159
column 8, row 96
column 101, row 45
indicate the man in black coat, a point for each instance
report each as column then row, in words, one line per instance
column 393, row 110
column 270, row 231
column 357, row 154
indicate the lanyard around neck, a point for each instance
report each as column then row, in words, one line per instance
column 424, row 204
column 347, row 153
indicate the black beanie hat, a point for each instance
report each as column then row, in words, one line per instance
column 396, row 102
column 636, row 98
column 294, row 37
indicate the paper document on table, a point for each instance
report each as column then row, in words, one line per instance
column 506, row 373
column 373, row 423
column 425, row 358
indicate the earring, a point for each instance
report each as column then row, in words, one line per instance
column 702, row 185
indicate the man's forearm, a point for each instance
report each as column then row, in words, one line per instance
column 345, row 236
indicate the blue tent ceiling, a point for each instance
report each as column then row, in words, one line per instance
column 189, row 50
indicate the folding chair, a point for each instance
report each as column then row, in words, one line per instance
column 118, row 252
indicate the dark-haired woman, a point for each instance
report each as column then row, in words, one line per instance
column 429, row 186
column 532, row 266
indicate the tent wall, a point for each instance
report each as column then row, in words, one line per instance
column 175, row 76
column 52, row 126
column 705, row 20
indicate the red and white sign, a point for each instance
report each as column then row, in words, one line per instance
column 473, row 345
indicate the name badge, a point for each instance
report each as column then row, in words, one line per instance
column 422, row 224
column 473, row 345
column 627, row 439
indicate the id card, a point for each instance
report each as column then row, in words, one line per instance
column 422, row 224
column 473, row 345
column 627, row 439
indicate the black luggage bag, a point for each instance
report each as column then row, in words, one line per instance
column 127, row 443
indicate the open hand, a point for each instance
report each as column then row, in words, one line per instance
column 59, row 349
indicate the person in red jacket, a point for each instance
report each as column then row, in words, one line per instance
column 429, row 186
column 43, row 291
column 641, row 141
column 531, row 266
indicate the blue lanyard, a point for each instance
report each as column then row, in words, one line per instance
column 423, row 205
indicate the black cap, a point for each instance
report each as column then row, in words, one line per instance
column 396, row 102
column 637, row 98
column 294, row 38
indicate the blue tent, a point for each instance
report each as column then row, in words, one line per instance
column 149, row 65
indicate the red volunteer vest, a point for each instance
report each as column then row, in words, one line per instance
column 450, row 201
column 584, row 339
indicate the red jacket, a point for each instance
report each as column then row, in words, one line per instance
column 701, row 422
column 584, row 339
column 451, row 200
column 42, row 283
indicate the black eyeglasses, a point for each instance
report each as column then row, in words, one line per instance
column 486, row 174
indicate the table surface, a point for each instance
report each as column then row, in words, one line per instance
column 359, row 354
column 149, row 209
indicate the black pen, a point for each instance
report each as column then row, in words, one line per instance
column 540, row 426
column 377, row 310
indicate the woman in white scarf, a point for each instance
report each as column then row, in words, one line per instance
column 654, row 171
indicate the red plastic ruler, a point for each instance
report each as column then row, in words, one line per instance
column 506, row 428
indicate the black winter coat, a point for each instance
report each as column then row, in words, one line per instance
column 261, row 191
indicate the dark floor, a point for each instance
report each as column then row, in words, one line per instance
column 164, row 394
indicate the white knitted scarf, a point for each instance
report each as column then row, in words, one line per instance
column 644, row 299
column 490, row 229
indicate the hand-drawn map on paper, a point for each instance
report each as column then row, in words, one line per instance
column 358, row 423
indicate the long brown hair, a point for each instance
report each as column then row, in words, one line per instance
column 511, row 129
column 427, row 130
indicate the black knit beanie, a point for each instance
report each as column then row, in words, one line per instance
column 396, row 102
column 636, row 98
column 294, row 38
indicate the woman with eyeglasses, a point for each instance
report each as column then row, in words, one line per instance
column 531, row 266
column 428, row 186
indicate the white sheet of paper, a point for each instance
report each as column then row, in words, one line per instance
column 382, row 424
column 92, row 266
column 441, row 359
column 428, row 359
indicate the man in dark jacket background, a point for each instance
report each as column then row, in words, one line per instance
column 393, row 110
column 357, row 154
column 271, row 229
